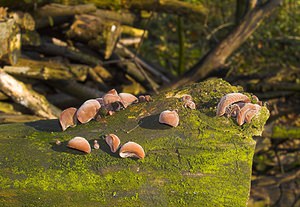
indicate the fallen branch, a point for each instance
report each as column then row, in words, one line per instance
column 13, row 118
column 168, row 6
column 54, row 10
column 154, row 71
column 132, row 69
column 76, row 89
column 47, row 70
column 68, row 52
column 21, row 94
column 216, row 57
column 123, row 17
column 96, row 78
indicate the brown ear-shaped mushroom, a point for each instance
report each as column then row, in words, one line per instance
column 112, row 92
column 132, row 149
column 186, row 97
column 170, row 118
column 251, row 113
column 111, row 97
column 190, row 104
column 233, row 109
column 229, row 99
column 113, row 142
column 88, row 110
column 142, row 99
column 250, row 108
column 128, row 99
column 80, row 143
column 148, row 98
column 67, row 118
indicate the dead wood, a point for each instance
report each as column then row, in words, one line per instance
column 10, row 40
column 216, row 57
column 21, row 94
column 75, row 89
column 47, row 70
column 154, row 71
column 14, row 118
column 65, row 10
column 64, row 51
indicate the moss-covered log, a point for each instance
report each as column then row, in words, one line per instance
column 205, row 161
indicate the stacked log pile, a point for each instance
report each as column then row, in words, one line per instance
column 69, row 54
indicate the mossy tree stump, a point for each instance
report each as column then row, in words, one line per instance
column 205, row 161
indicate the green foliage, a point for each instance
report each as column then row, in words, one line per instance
column 275, row 41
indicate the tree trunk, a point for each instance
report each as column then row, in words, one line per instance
column 205, row 161
column 216, row 57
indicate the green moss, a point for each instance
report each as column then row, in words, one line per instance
column 286, row 132
column 204, row 161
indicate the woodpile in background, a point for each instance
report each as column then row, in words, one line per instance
column 69, row 54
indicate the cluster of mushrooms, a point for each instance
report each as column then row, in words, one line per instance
column 235, row 105
column 239, row 106
column 108, row 105
column 129, row 149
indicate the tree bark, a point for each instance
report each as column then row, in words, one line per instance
column 216, row 57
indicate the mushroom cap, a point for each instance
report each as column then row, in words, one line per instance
column 170, row 118
column 111, row 98
column 132, row 149
column 113, row 142
column 248, row 108
column 96, row 145
column 190, row 104
column 80, row 143
column 148, row 98
column 229, row 99
column 251, row 113
column 128, row 99
column 88, row 110
column 142, row 98
column 233, row 109
column 112, row 92
column 186, row 97
column 67, row 118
